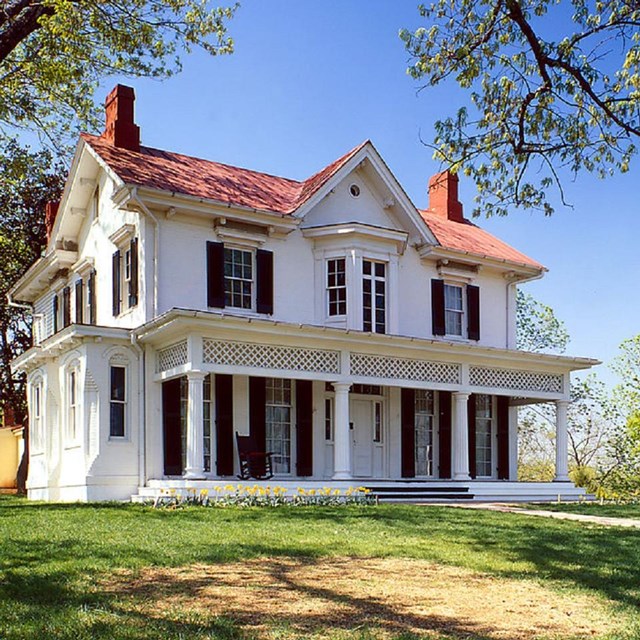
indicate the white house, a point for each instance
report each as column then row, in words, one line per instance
column 181, row 301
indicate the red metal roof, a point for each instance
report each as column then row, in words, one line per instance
column 218, row 182
column 466, row 236
column 209, row 180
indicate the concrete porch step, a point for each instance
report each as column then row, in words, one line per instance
column 407, row 492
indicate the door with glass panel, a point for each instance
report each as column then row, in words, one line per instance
column 278, row 423
column 424, row 433
column 484, row 436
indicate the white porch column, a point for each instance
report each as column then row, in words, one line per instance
column 342, row 432
column 195, row 452
column 562, row 452
column 460, row 439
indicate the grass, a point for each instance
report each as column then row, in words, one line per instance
column 593, row 509
column 56, row 562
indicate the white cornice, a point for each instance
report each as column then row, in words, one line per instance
column 348, row 231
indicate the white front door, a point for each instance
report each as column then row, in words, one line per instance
column 366, row 438
column 362, row 418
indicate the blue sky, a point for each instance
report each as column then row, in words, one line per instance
column 310, row 80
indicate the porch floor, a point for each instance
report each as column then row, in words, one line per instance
column 410, row 491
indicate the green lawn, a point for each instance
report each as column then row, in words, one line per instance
column 54, row 558
column 593, row 509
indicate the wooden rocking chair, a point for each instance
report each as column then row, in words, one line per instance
column 254, row 463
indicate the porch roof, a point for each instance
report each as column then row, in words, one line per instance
column 177, row 322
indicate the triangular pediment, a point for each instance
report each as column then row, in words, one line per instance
column 365, row 192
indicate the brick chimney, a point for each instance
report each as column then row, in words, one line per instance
column 50, row 213
column 443, row 196
column 121, row 130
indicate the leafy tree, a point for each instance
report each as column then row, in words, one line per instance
column 53, row 53
column 28, row 180
column 553, row 87
column 537, row 328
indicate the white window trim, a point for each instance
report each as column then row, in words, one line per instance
column 493, row 440
column 373, row 278
column 327, row 288
column 123, row 365
column 37, row 418
column 254, row 279
column 292, row 433
column 463, row 322
column 435, row 437
column 73, row 426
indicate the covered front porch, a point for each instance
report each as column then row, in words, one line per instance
column 336, row 406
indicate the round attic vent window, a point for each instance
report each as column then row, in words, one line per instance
column 354, row 190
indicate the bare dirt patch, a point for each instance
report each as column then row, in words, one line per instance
column 386, row 596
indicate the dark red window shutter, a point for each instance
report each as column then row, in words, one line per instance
column 503, row 437
column 91, row 294
column 79, row 302
column 473, row 312
column 264, row 281
column 133, row 281
column 258, row 411
column 171, row 427
column 115, row 283
column 437, row 307
column 54, row 312
column 215, row 274
column 444, row 434
column 304, row 427
column 66, row 307
column 224, row 424
column 408, row 432
column 471, row 413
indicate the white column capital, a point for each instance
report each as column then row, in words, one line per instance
column 341, row 387
column 195, row 375
column 461, row 396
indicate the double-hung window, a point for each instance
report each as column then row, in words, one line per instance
column 125, row 277
column 337, row 287
column 238, row 278
column 453, row 310
column 118, row 402
column 72, row 400
column 37, row 439
column 374, row 302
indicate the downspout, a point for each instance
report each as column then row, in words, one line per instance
column 142, row 395
column 142, row 446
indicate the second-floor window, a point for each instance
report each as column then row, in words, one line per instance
column 238, row 278
column 336, row 287
column 374, row 296
column 453, row 310
column 125, row 277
